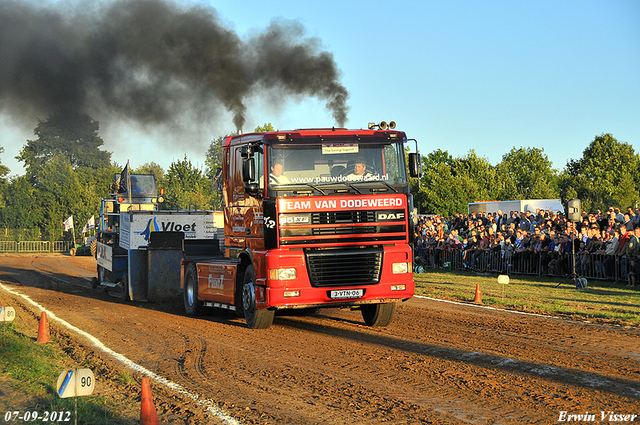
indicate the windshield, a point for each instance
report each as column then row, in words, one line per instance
column 142, row 185
column 347, row 162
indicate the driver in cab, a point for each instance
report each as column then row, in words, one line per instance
column 276, row 177
column 359, row 170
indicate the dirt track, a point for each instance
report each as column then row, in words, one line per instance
column 438, row 362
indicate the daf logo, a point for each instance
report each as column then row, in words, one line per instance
column 391, row 216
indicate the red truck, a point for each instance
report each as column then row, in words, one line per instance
column 313, row 219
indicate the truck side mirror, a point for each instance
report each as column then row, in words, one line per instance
column 251, row 189
column 248, row 170
column 217, row 179
column 415, row 167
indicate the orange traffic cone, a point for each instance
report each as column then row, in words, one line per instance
column 43, row 329
column 478, row 298
column 148, row 414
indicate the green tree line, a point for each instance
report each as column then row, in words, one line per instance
column 607, row 174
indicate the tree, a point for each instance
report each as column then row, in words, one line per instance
column 66, row 174
column 264, row 128
column 70, row 135
column 608, row 174
column 476, row 175
column 187, row 187
column 449, row 184
column 22, row 209
column 4, row 171
column 527, row 173
column 436, row 157
column 59, row 195
column 442, row 192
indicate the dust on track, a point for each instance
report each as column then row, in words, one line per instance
column 436, row 363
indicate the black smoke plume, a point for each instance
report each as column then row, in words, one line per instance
column 153, row 61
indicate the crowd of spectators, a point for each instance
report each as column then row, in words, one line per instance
column 606, row 245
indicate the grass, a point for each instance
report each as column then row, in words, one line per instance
column 601, row 301
column 29, row 371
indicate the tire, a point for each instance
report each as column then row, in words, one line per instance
column 256, row 318
column 72, row 252
column 124, row 288
column 94, row 248
column 192, row 306
column 238, row 294
column 378, row 315
column 101, row 275
column 94, row 282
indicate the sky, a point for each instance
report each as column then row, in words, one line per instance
column 455, row 75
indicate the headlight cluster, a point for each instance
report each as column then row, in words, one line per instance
column 282, row 274
column 399, row 268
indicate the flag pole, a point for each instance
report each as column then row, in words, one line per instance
column 73, row 232
column 128, row 181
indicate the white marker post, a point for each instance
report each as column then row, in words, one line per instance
column 74, row 383
column 7, row 314
column 504, row 280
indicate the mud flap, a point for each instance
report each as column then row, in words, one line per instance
column 164, row 275
column 164, row 258
column 137, row 272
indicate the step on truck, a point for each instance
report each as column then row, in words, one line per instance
column 313, row 219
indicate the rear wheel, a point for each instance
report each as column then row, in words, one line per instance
column 378, row 314
column 94, row 248
column 192, row 306
column 102, row 275
column 124, row 287
column 256, row 318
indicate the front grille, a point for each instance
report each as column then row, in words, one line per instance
column 336, row 217
column 344, row 267
column 344, row 230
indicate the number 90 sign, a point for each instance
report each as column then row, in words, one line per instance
column 75, row 382
column 7, row 314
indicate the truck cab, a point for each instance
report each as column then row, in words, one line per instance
column 313, row 219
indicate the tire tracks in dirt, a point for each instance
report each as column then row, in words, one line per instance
column 436, row 363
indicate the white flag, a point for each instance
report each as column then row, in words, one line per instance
column 68, row 223
column 91, row 223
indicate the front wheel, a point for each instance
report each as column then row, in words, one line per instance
column 192, row 306
column 378, row 314
column 256, row 318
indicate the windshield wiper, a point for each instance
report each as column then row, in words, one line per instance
column 316, row 188
column 348, row 184
column 288, row 186
column 378, row 181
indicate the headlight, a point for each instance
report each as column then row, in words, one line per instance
column 401, row 268
column 282, row 274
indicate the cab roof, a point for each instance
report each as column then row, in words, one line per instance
column 314, row 134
